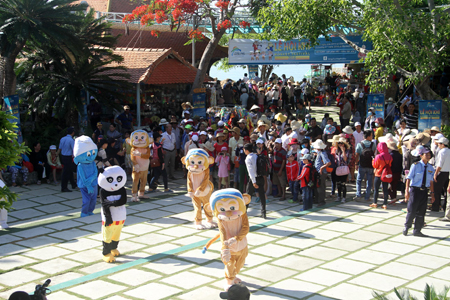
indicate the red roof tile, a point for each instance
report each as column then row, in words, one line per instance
column 123, row 6
column 174, row 40
column 97, row 5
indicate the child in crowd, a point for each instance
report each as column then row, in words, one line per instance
column 54, row 162
column 102, row 159
column 325, row 120
column 292, row 168
column 305, row 180
column 223, row 160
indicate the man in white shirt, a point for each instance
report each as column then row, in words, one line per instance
column 358, row 133
column 285, row 138
column 256, row 182
column 441, row 174
column 245, row 78
column 169, row 141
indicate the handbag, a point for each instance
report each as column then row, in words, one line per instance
column 29, row 166
column 154, row 162
column 342, row 170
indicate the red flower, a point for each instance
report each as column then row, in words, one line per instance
column 155, row 33
column 226, row 24
column 222, row 4
column 244, row 24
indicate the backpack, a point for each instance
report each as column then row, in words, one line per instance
column 313, row 177
column 386, row 175
column 365, row 160
column 332, row 159
column 262, row 165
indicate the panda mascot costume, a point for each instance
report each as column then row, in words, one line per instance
column 114, row 197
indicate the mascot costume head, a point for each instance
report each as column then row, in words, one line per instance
column 85, row 152
column 229, row 206
column 114, row 197
column 200, row 188
column 140, row 158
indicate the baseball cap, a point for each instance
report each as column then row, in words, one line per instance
column 260, row 141
column 236, row 291
column 220, row 123
column 195, row 138
column 278, row 141
column 304, row 151
column 357, row 124
column 186, row 112
column 307, row 156
column 437, row 136
column 307, row 116
column 99, row 124
column 203, row 133
column 223, row 149
column 443, row 140
column 420, row 150
column 189, row 126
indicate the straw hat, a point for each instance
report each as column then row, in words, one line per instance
column 280, row 117
column 265, row 119
column 236, row 130
column 423, row 138
column 255, row 107
column 435, row 128
column 344, row 141
column 392, row 145
column 186, row 105
column 335, row 139
column 261, row 123
column 253, row 81
column 319, row 144
column 388, row 137
column 295, row 125
column 163, row 122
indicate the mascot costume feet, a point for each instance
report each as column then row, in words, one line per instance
column 114, row 197
column 140, row 158
column 85, row 152
column 229, row 206
column 200, row 188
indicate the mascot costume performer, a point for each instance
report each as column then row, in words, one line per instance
column 85, row 152
column 229, row 206
column 114, row 197
column 140, row 158
column 200, row 188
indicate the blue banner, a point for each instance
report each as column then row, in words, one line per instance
column 12, row 108
column 376, row 101
column 429, row 114
column 256, row 52
column 199, row 103
column 252, row 70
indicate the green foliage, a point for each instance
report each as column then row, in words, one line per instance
column 428, row 294
column 223, row 65
column 10, row 150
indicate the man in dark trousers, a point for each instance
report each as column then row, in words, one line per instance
column 256, row 182
column 66, row 148
column 419, row 179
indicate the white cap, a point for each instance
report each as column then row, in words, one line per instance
column 52, row 147
column 195, row 138
column 357, row 124
column 437, row 136
column 278, row 141
column 203, row 133
column 82, row 145
column 443, row 140
column 220, row 123
column 304, row 151
column 186, row 112
column 260, row 141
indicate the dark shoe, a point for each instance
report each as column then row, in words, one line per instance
column 74, row 187
column 263, row 215
column 66, row 191
column 172, row 178
column 420, row 234
column 405, row 231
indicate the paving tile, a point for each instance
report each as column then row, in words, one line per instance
column 175, row 209
column 25, row 213
column 117, row 298
column 299, row 224
column 96, row 267
column 438, row 250
column 95, row 227
column 20, row 276
column 322, row 276
column 134, row 277
column 402, row 270
column 385, row 228
column 168, row 222
column 74, row 195
column 299, row 263
column 14, row 261
column 438, row 283
column 259, row 239
column 8, row 238
column 263, row 295
column 363, row 220
column 274, row 250
column 64, row 225
column 10, row 249
column 70, row 234
column 96, row 289
column 76, row 203
column 153, row 291
column 152, row 239
column 294, row 288
column 391, row 247
column 154, row 214
column 378, row 281
column 55, row 265
column 443, row 273
column 412, row 240
column 65, row 277
column 319, row 217
column 367, row 236
column 255, row 259
column 40, row 191
column 187, row 280
column 348, row 292
column 179, row 231
column 214, row 269
column 53, row 208
column 90, row 219
column 139, row 229
column 371, row 256
column 424, row 260
column 62, row 295
column 196, row 256
column 321, row 234
column 39, row 242
column 160, row 248
column 270, row 273
column 168, row 265
column 322, row 253
column 87, row 256
column 146, row 206
column 22, row 204
column 298, row 241
column 397, row 221
column 348, row 266
column 338, row 211
column 193, row 239
column 126, row 246
column 277, row 231
column 203, row 292
column 81, row 244
column 345, row 244
column 320, row 297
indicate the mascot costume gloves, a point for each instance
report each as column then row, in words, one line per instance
column 114, row 197
column 229, row 206
column 200, row 188
column 85, row 152
column 140, row 158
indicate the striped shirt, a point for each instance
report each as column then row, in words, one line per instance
column 411, row 120
column 278, row 157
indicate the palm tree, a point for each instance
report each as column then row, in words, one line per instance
column 42, row 21
column 428, row 294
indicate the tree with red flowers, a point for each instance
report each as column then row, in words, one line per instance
column 178, row 13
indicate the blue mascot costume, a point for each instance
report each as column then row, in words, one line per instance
column 85, row 152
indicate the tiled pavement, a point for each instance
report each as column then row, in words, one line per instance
column 338, row 252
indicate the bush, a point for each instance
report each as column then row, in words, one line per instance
column 428, row 294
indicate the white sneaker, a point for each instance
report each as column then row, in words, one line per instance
column 4, row 226
column 338, row 199
column 343, row 200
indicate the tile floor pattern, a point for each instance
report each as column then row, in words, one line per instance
column 339, row 252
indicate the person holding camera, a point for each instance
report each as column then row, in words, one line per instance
column 223, row 163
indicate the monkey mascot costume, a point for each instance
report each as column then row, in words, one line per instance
column 114, row 197
column 200, row 188
column 229, row 206
column 140, row 158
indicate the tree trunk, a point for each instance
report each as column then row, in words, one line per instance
column 427, row 93
column 266, row 70
column 205, row 60
column 9, row 86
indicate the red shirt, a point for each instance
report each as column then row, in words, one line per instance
column 292, row 170
column 218, row 148
column 304, row 176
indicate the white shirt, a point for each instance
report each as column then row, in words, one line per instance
column 250, row 162
column 358, row 137
column 169, row 141
column 245, row 79
column 443, row 160
column 285, row 141
column 407, row 99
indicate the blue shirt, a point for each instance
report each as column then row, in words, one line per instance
column 416, row 174
column 126, row 120
column 322, row 159
column 66, row 145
